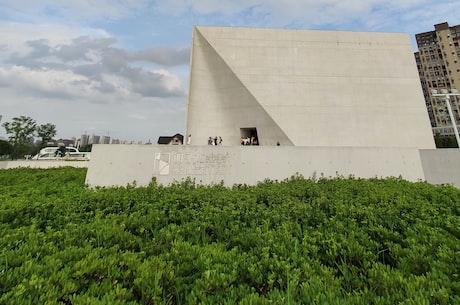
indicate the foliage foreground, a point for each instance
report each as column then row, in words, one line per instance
column 299, row 241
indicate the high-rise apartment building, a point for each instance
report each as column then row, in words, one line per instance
column 104, row 140
column 83, row 141
column 93, row 139
column 438, row 62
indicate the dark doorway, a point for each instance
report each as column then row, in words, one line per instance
column 249, row 136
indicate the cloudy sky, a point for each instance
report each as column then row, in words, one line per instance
column 121, row 67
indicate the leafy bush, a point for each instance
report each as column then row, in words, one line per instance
column 299, row 241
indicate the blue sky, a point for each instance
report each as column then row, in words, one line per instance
column 121, row 67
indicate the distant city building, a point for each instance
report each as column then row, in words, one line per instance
column 115, row 141
column 84, row 140
column 94, row 139
column 105, row 140
column 439, row 70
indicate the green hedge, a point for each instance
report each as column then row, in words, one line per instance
column 299, row 241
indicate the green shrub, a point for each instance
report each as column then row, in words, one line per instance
column 298, row 241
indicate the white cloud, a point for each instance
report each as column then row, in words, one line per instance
column 71, row 10
column 15, row 35
column 81, row 60
column 137, row 116
column 378, row 15
column 49, row 83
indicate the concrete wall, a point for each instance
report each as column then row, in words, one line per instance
column 119, row 165
column 306, row 88
column 441, row 166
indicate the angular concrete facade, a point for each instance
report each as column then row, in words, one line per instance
column 306, row 88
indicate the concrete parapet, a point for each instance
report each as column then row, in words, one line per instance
column 124, row 164
column 441, row 166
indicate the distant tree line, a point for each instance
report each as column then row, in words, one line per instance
column 445, row 141
column 21, row 132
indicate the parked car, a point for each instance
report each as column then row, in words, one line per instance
column 57, row 153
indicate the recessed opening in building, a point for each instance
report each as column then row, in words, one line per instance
column 249, row 136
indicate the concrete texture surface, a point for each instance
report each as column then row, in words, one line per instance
column 306, row 88
column 125, row 164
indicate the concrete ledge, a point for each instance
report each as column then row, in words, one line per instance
column 441, row 166
column 119, row 165
column 42, row 163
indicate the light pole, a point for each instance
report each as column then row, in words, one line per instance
column 445, row 93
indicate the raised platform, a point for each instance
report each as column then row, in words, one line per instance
column 119, row 165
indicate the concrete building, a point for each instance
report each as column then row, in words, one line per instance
column 439, row 69
column 305, row 88
column 339, row 103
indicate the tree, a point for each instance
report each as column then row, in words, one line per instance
column 5, row 148
column 86, row 148
column 46, row 132
column 447, row 141
column 21, row 129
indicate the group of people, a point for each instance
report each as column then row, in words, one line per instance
column 248, row 141
column 215, row 141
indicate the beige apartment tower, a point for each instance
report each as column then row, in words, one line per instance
column 438, row 62
column 305, row 88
